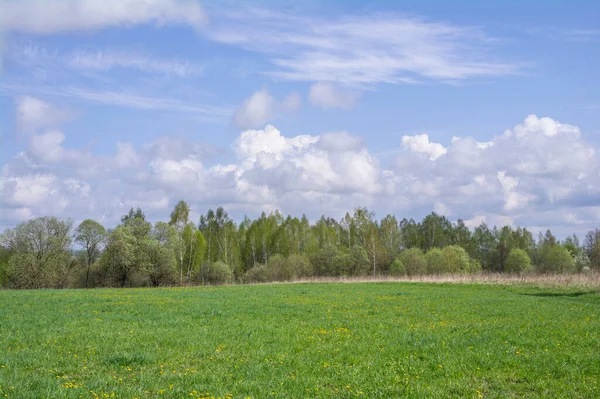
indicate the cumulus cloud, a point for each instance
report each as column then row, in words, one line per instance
column 420, row 144
column 33, row 114
column 261, row 107
column 539, row 173
column 330, row 95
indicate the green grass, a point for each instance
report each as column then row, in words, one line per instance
column 366, row 340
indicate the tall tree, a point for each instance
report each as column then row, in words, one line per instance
column 391, row 236
column 179, row 220
column 91, row 235
column 367, row 236
column 135, row 220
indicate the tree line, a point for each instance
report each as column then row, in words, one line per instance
column 50, row 252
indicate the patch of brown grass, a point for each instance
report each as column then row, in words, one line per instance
column 589, row 280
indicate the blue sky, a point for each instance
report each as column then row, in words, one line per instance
column 314, row 107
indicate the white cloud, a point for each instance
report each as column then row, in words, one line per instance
column 546, row 176
column 261, row 107
column 105, row 60
column 292, row 102
column 33, row 113
column 362, row 50
column 47, row 147
column 420, row 144
column 78, row 187
column 125, row 98
column 27, row 190
column 513, row 200
column 329, row 95
column 126, row 155
column 55, row 16
column 256, row 110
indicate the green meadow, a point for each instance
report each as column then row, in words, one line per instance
column 368, row 340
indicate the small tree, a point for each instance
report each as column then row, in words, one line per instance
column 518, row 262
column 91, row 235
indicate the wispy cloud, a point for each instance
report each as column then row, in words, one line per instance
column 101, row 60
column 125, row 98
column 105, row 60
column 362, row 50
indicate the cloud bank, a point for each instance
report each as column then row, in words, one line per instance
column 540, row 172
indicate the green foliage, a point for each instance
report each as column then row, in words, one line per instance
column 582, row 261
column 358, row 261
column 41, row 256
column 475, row 266
column 456, row 259
column 414, row 261
column 119, row 257
column 91, row 236
column 518, row 262
column 301, row 265
column 326, row 261
column 257, row 274
column 356, row 245
column 556, row 259
column 135, row 220
column 397, row 268
column 218, row 273
column 436, row 262
column 281, row 269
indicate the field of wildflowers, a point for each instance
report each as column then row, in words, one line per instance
column 302, row 340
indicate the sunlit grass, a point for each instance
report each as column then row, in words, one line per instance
column 301, row 340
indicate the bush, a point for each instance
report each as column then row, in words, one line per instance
column 325, row 261
column 218, row 273
column 397, row 268
column 518, row 262
column 413, row 260
column 582, row 261
column 281, row 269
column 456, row 259
column 436, row 262
column 474, row 266
column 556, row 259
column 301, row 265
column 257, row 274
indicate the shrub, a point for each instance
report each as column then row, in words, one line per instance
column 397, row 268
column 257, row 274
column 218, row 273
column 474, row 266
column 281, row 269
column 518, row 262
column 456, row 259
column 301, row 265
column 324, row 261
column 436, row 262
column 582, row 261
column 413, row 260
column 556, row 259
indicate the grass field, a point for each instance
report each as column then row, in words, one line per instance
column 365, row 340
